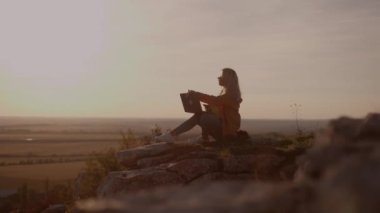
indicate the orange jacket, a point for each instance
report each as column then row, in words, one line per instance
column 227, row 110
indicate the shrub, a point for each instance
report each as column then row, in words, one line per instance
column 297, row 142
column 96, row 169
column 156, row 130
column 130, row 140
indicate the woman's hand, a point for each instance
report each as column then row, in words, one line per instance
column 192, row 93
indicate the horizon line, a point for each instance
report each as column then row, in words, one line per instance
column 145, row 118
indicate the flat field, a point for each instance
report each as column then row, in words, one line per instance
column 30, row 149
column 34, row 157
column 12, row 177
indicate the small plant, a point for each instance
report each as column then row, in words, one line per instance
column 61, row 193
column 156, row 130
column 305, row 140
column 295, row 110
column 129, row 140
column 296, row 142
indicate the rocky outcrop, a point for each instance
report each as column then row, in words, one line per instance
column 340, row 173
column 130, row 157
column 185, row 163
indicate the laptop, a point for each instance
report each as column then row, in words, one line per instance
column 190, row 103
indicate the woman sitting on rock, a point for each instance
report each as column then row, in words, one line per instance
column 221, row 119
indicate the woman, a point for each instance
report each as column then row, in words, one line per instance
column 222, row 119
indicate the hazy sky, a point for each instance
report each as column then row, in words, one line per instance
column 133, row 58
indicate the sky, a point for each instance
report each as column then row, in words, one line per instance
column 132, row 58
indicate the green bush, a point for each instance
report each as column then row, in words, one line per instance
column 96, row 169
column 297, row 142
column 131, row 140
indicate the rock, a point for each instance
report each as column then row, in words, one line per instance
column 342, row 130
column 239, row 164
column 346, row 138
column 190, row 169
column 369, row 129
column 135, row 180
column 349, row 130
column 198, row 154
column 155, row 161
column 176, row 155
column 130, row 156
column 185, row 163
column 316, row 161
column 352, row 185
column 262, row 163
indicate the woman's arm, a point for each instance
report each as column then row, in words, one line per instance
column 222, row 100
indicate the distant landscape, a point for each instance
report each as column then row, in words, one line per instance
column 33, row 150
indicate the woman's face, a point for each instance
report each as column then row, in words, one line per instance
column 222, row 80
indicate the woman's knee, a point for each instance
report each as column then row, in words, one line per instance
column 198, row 116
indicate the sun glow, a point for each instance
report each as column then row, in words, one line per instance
column 133, row 58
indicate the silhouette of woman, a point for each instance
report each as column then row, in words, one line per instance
column 221, row 119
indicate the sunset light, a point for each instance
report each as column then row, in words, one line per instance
column 119, row 58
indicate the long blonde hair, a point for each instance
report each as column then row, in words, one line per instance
column 231, row 86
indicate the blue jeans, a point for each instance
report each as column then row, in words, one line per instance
column 209, row 122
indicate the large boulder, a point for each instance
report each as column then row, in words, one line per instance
column 369, row 128
column 350, row 130
column 352, row 185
